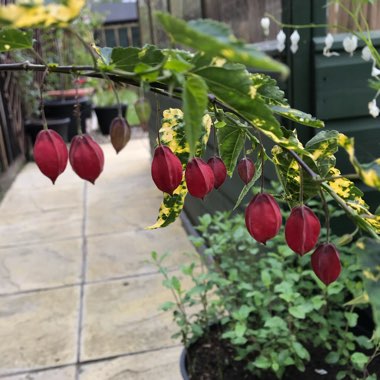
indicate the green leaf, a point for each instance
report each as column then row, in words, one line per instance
column 332, row 357
column 167, row 306
column 262, row 362
column 298, row 116
column 370, row 262
column 268, row 89
column 240, row 330
column 12, row 39
column 297, row 312
column 359, row 360
column 232, row 85
column 176, row 283
column 231, row 142
column 301, row 350
column 352, row 319
column 217, row 40
column 276, row 323
column 130, row 59
column 194, row 105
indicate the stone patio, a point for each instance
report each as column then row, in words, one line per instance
column 78, row 298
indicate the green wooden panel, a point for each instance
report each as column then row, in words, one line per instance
column 341, row 86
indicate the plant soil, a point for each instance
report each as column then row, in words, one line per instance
column 213, row 359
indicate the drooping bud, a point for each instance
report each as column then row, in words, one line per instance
column 166, row 169
column 263, row 217
column 50, row 153
column 246, row 169
column 219, row 169
column 86, row 157
column 302, row 230
column 199, row 178
column 326, row 263
column 120, row 133
column 143, row 111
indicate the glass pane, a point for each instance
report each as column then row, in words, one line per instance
column 123, row 37
column 136, row 36
column 110, row 37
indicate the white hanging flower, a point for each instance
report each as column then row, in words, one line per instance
column 374, row 110
column 294, row 39
column 350, row 44
column 281, row 38
column 329, row 40
column 375, row 71
column 265, row 23
column 366, row 54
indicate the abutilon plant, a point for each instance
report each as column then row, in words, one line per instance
column 263, row 217
column 302, row 230
column 199, row 178
column 86, row 157
column 120, row 133
column 219, row 169
column 246, row 169
column 50, row 153
column 166, row 169
column 325, row 262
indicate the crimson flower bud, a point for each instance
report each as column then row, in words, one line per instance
column 326, row 263
column 86, row 157
column 50, row 153
column 302, row 230
column 199, row 178
column 166, row 169
column 219, row 169
column 263, row 217
column 246, row 169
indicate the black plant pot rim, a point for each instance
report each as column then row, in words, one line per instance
column 59, row 102
column 182, row 365
column 110, row 107
column 50, row 122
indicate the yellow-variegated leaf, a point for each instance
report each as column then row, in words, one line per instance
column 172, row 134
column 370, row 172
column 38, row 14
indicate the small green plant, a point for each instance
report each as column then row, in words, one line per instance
column 272, row 308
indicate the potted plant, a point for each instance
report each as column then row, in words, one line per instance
column 259, row 312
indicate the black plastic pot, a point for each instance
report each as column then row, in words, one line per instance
column 62, row 108
column 182, row 365
column 106, row 114
column 33, row 126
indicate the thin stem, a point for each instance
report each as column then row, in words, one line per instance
column 157, row 120
column 77, row 108
column 328, row 179
column 303, row 164
column 42, row 106
column 216, row 146
column 327, row 215
column 301, row 184
column 262, row 162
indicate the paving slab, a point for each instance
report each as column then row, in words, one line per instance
column 161, row 365
column 122, row 317
column 66, row 373
column 42, row 265
column 25, row 228
column 38, row 329
column 128, row 253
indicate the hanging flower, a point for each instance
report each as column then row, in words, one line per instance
column 294, row 39
column 265, row 23
column 375, row 71
column 329, row 40
column 366, row 54
column 350, row 43
column 281, row 38
column 374, row 110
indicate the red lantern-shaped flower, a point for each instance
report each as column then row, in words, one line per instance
column 263, row 217
column 219, row 169
column 246, row 169
column 166, row 169
column 302, row 230
column 50, row 153
column 199, row 178
column 326, row 263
